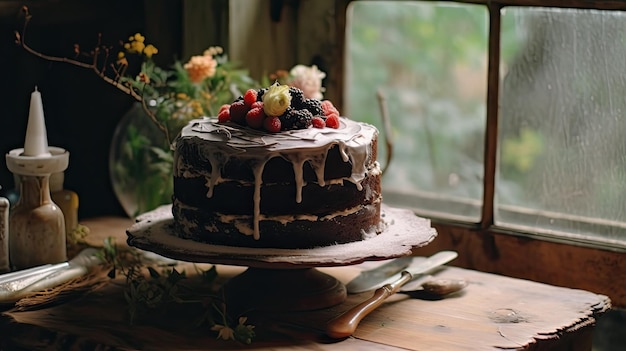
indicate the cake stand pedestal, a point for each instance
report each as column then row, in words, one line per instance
column 283, row 279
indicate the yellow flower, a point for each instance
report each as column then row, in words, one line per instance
column 150, row 50
column 137, row 37
column 200, row 67
column 224, row 333
column 276, row 100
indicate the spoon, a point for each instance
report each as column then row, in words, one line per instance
column 345, row 324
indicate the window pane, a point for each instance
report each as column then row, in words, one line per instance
column 562, row 164
column 429, row 60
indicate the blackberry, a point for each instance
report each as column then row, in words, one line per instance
column 314, row 106
column 302, row 119
column 260, row 92
column 286, row 120
column 297, row 98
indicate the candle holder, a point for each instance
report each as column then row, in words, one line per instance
column 36, row 224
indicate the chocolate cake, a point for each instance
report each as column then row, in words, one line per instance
column 294, row 187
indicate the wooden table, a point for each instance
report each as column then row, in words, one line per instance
column 492, row 313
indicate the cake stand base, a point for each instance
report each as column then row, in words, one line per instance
column 282, row 290
column 283, row 279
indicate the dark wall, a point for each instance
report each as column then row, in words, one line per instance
column 81, row 110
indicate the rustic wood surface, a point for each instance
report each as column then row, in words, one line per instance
column 493, row 312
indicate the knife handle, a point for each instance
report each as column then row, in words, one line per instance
column 346, row 323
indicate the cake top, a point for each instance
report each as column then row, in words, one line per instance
column 236, row 138
column 279, row 108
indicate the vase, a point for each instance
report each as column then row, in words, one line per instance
column 140, row 163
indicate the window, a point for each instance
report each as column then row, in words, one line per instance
column 555, row 166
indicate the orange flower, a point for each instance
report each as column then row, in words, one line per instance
column 200, row 67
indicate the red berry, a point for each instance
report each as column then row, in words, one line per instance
column 223, row 107
column 318, row 122
column 223, row 116
column 328, row 107
column 238, row 112
column 257, row 104
column 272, row 124
column 255, row 118
column 250, row 97
column 332, row 121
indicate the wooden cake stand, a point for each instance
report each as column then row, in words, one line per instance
column 283, row 279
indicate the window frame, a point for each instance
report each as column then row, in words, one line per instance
column 519, row 252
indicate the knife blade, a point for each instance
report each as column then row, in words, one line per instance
column 424, row 265
column 364, row 280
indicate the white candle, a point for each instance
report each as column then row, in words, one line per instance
column 36, row 140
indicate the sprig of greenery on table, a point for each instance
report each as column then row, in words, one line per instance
column 156, row 291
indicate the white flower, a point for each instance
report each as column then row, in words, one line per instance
column 309, row 80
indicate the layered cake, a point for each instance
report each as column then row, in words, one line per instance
column 278, row 170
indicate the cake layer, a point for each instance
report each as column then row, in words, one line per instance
column 277, row 198
column 286, row 232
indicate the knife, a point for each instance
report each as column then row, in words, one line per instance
column 363, row 281
column 422, row 266
column 15, row 285
column 345, row 324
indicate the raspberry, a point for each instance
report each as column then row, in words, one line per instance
column 224, row 115
column 318, row 122
column 332, row 114
column 223, row 107
column 255, row 117
column 250, row 97
column 328, row 107
column 257, row 104
column 332, row 121
column 272, row 124
column 238, row 110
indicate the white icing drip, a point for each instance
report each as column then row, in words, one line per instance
column 258, row 180
column 298, row 171
column 215, row 173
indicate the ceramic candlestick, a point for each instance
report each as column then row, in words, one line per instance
column 36, row 224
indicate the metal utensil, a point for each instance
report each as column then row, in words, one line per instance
column 15, row 285
column 422, row 266
column 363, row 281
column 345, row 324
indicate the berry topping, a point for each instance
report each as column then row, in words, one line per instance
column 318, row 122
column 272, row 124
column 250, row 97
column 238, row 111
column 223, row 107
column 328, row 108
column 301, row 118
column 257, row 104
column 332, row 121
column 224, row 115
column 255, row 117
